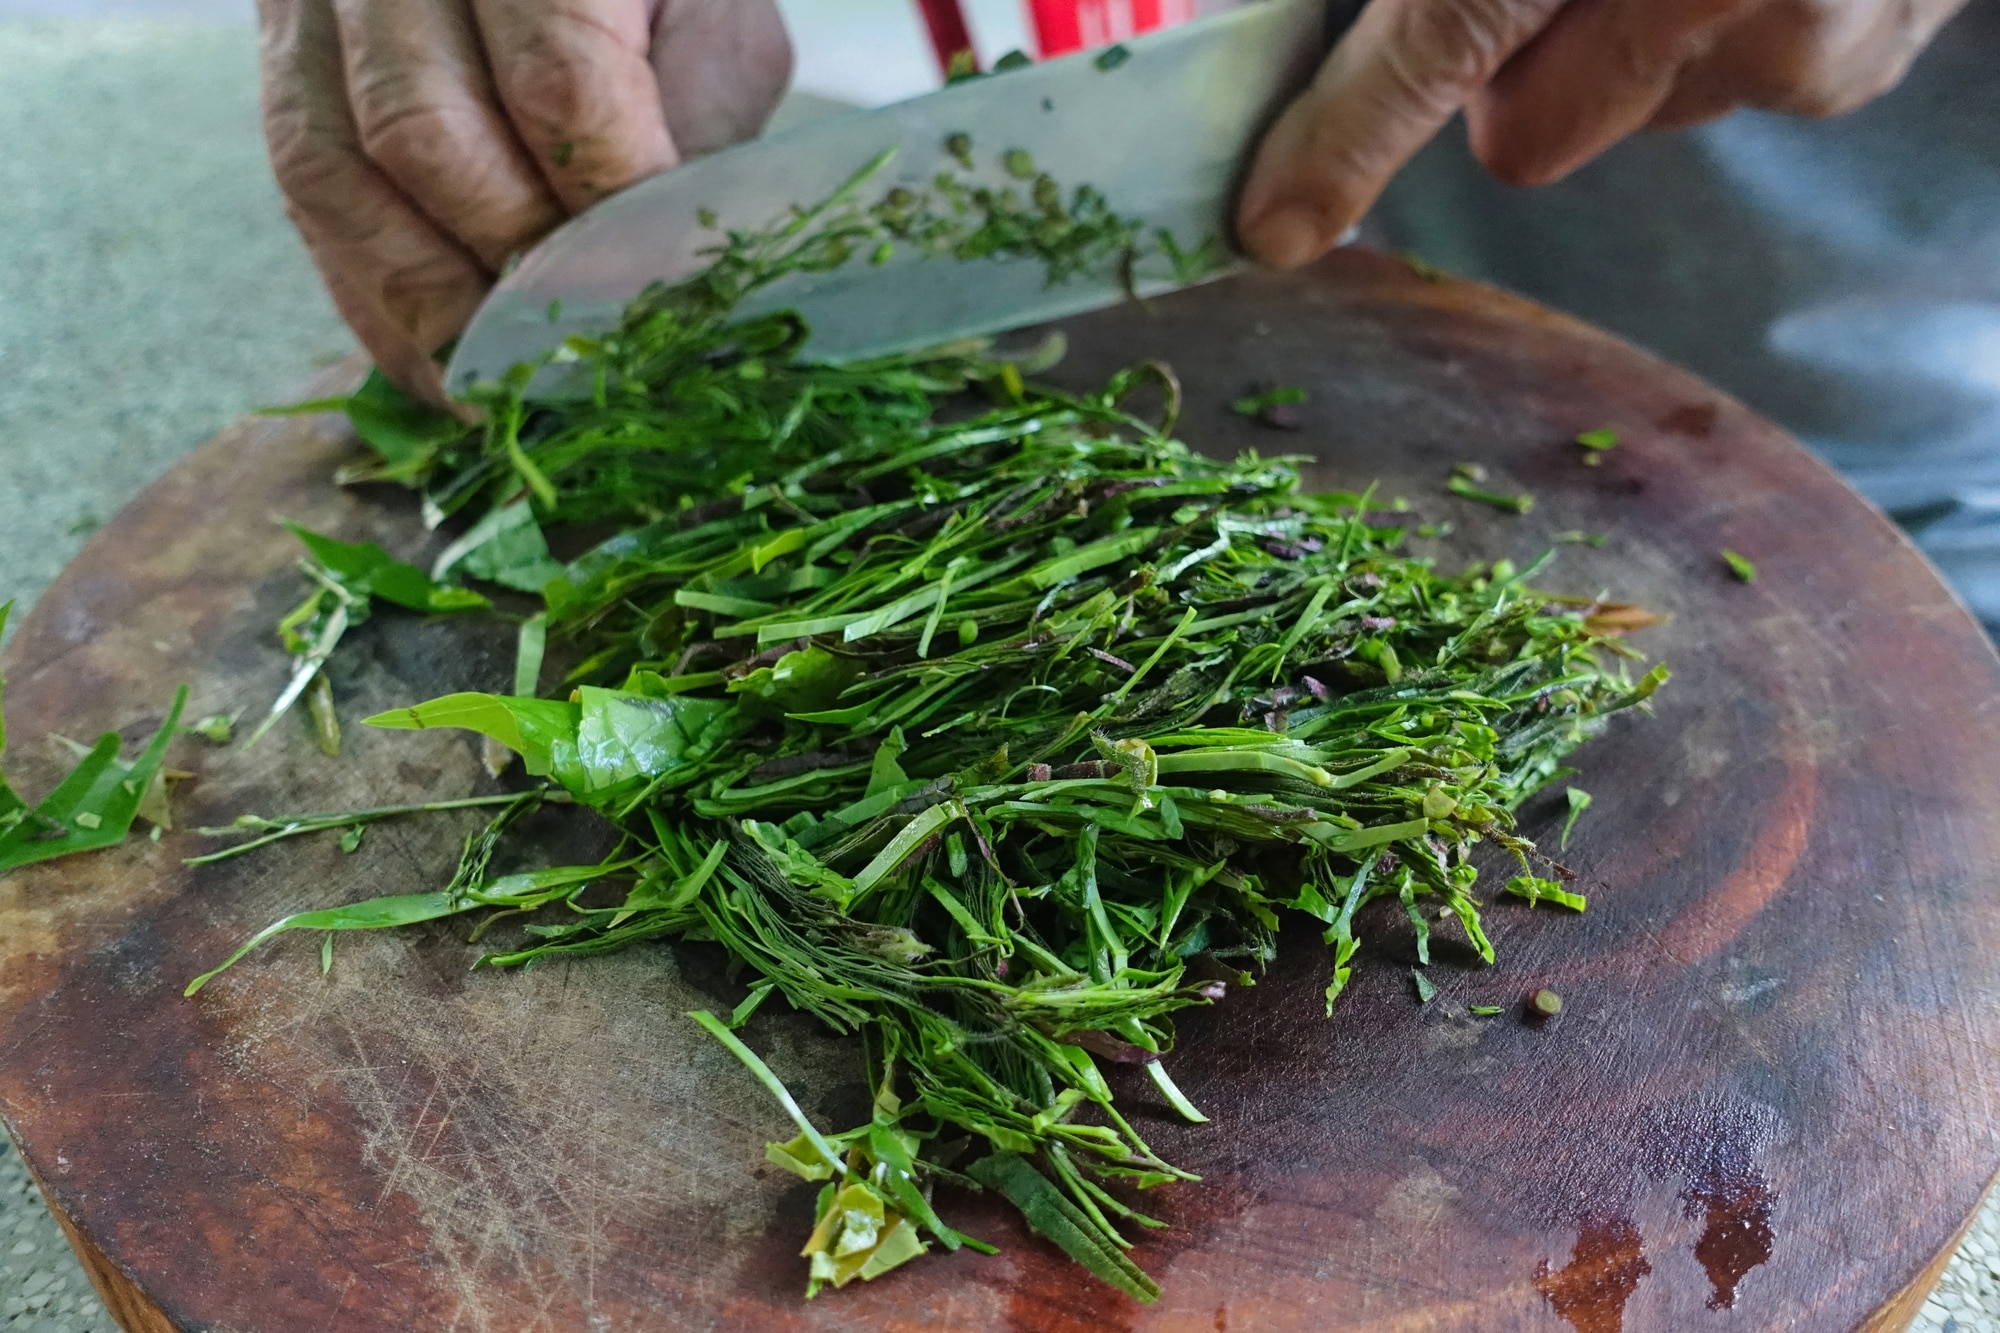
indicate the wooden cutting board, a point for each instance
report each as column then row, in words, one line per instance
column 1768, row 1102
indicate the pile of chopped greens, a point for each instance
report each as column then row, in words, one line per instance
column 984, row 721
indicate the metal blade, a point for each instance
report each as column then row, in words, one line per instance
column 1164, row 133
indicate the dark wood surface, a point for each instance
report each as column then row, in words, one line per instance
column 1768, row 1103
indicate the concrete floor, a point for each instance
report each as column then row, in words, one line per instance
column 151, row 291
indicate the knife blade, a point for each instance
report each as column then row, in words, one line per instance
column 1162, row 125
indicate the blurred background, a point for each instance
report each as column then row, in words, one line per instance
column 151, row 291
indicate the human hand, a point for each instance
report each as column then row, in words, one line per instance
column 420, row 143
column 1546, row 85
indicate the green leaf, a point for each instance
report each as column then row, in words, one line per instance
column 530, row 647
column 505, row 547
column 1602, row 438
column 366, row 570
column 803, row 681
column 1579, row 801
column 531, row 728
column 1252, row 404
column 374, row 914
column 1540, row 890
column 407, row 432
column 1050, row 1212
column 719, row 1030
column 1513, row 504
column 621, row 736
column 1086, row 558
column 1426, row 991
column 1740, row 566
column 91, row 808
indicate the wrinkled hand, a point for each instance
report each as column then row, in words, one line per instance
column 1546, row 85
column 420, row 143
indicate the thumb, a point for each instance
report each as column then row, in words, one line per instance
column 1397, row 76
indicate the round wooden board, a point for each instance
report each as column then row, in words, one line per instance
column 1768, row 1103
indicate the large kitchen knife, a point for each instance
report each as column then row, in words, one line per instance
column 1163, row 126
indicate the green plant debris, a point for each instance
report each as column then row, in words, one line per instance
column 94, row 805
column 1272, row 405
column 1422, row 267
column 983, row 720
column 1579, row 801
column 1111, row 57
column 1740, row 566
column 216, row 729
column 1486, row 1010
column 1426, row 989
column 1598, row 440
column 1466, row 488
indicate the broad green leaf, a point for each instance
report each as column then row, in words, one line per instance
column 405, row 431
column 93, row 807
column 367, row 570
column 804, row 681
column 505, row 547
column 531, row 728
column 620, row 736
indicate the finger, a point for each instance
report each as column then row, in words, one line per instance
column 403, row 286
column 428, row 115
column 1699, row 95
column 1400, row 72
column 721, row 65
column 1598, row 72
column 576, row 81
column 1812, row 59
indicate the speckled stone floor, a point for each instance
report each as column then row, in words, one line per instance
column 151, row 291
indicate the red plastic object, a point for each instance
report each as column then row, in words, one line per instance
column 949, row 33
column 1070, row 25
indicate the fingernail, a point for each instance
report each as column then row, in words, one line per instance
column 1287, row 236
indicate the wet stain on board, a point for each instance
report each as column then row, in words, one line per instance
column 1605, row 1267
column 1737, row 1236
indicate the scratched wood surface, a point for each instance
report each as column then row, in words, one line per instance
column 1768, row 1103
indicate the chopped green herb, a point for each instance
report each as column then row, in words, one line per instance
column 564, row 153
column 1597, row 440
column 325, row 722
column 1426, row 991
column 1579, row 801
column 1019, row 164
column 959, row 145
column 965, row 713
column 1740, row 566
column 1486, row 1010
column 963, row 65
column 1422, row 267
column 1465, row 488
column 1259, row 401
column 350, row 841
column 1546, row 1003
column 1111, row 57
column 94, row 806
column 216, row 729
column 1011, row 60
column 1537, row 890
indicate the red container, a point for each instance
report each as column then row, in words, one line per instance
column 1062, row 26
